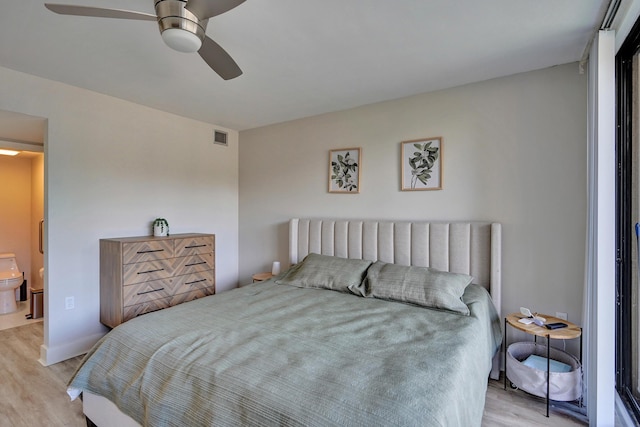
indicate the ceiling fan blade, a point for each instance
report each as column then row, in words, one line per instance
column 97, row 12
column 219, row 60
column 204, row 9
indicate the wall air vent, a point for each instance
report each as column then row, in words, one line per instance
column 220, row 137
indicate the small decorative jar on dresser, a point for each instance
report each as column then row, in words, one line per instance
column 143, row 274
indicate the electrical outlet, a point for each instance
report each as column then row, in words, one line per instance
column 69, row 303
column 561, row 315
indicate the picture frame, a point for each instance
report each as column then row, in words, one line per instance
column 345, row 165
column 421, row 164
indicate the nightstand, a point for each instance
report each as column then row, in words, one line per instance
column 261, row 277
column 570, row 332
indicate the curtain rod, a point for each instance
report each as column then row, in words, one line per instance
column 608, row 15
column 612, row 11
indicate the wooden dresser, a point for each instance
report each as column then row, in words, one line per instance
column 143, row 274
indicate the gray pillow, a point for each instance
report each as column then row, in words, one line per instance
column 326, row 272
column 423, row 286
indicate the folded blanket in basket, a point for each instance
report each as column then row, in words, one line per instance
column 540, row 363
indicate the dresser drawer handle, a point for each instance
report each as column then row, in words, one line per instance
column 150, row 251
column 150, row 271
column 152, row 290
column 195, row 246
column 195, row 263
column 195, row 281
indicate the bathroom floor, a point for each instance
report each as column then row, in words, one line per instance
column 17, row 318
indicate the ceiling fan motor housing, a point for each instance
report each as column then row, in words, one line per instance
column 181, row 30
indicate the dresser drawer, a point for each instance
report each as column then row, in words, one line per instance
column 147, row 291
column 147, row 271
column 190, row 296
column 136, row 310
column 147, row 251
column 193, row 246
column 193, row 264
column 189, row 282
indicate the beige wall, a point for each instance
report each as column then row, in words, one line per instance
column 111, row 167
column 15, row 210
column 22, row 202
column 514, row 152
column 37, row 214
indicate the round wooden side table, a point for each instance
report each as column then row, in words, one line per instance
column 261, row 277
column 570, row 332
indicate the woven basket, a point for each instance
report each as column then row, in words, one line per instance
column 563, row 386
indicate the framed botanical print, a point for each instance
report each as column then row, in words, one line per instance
column 421, row 167
column 344, row 170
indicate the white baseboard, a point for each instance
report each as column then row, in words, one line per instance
column 52, row 355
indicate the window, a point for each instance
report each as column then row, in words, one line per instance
column 628, row 214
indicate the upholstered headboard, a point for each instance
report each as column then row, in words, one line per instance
column 472, row 248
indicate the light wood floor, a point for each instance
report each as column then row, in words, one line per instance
column 33, row 395
column 30, row 394
column 517, row 408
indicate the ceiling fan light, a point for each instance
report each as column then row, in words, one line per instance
column 181, row 40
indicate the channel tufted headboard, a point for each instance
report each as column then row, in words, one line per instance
column 472, row 248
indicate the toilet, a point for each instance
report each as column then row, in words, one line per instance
column 10, row 279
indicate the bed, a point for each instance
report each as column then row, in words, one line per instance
column 332, row 341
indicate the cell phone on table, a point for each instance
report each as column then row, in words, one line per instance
column 556, row 325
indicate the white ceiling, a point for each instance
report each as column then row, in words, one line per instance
column 300, row 58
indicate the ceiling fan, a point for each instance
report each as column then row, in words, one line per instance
column 182, row 25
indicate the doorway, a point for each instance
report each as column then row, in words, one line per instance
column 22, row 200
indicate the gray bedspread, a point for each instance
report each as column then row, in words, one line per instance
column 269, row 354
